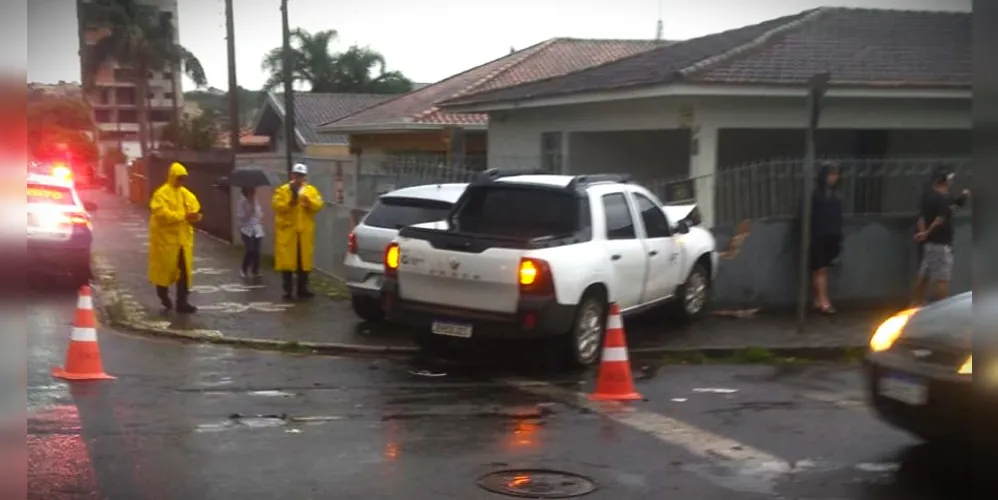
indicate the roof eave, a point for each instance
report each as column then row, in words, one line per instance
column 278, row 105
column 362, row 128
column 901, row 91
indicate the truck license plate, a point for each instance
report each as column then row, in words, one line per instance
column 451, row 329
column 907, row 390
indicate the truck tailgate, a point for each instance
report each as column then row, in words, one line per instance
column 482, row 281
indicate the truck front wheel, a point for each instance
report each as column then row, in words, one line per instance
column 693, row 295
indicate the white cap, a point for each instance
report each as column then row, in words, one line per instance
column 299, row 168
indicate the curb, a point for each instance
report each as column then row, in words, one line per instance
column 122, row 311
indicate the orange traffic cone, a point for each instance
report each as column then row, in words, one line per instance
column 83, row 357
column 614, row 382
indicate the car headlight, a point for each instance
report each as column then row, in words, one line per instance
column 889, row 331
column 968, row 366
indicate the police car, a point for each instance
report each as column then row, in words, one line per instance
column 60, row 226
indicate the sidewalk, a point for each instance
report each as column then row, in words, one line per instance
column 235, row 311
column 230, row 309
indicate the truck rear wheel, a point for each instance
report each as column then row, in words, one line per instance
column 368, row 309
column 585, row 340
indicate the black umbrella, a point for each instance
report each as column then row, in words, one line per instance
column 244, row 177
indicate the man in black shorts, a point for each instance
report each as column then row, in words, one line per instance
column 935, row 234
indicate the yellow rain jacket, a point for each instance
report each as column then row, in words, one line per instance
column 169, row 230
column 294, row 227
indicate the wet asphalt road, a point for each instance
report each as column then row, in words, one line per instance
column 185, row 421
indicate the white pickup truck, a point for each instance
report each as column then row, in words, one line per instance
column 542, row 256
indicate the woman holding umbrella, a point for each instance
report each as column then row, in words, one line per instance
column 248, row 212
column 251, row 230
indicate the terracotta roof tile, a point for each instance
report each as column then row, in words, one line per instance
column 858, row 46
column 557, row 56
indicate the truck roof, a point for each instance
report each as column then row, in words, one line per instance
column 541, row 179
column 577, row 183
column 448, row 192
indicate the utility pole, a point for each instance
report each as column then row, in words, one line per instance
column 817, row 86
column 234, row 125
column 289, row 98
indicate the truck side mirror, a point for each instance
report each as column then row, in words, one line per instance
column 683, row 226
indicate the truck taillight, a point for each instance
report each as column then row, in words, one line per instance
column 391, row 259
column 352, row 243
column 79, row 218
column 535, row 277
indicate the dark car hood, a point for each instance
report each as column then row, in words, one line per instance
column 949, row 321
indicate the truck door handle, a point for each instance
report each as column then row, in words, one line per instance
column 615, row 257
column 653, row 253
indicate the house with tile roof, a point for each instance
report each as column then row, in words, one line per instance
column 311, row 111
column 412, row 125
column 900, row 87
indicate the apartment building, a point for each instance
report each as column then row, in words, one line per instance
column 115, row 100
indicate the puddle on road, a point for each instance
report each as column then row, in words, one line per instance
column 714, row 390
column 236, row 422
column 273, row 394
column 878, row 467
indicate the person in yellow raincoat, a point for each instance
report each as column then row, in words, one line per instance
column 173, row 210
column 295, row 205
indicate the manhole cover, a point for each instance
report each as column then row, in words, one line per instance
column 537, row 483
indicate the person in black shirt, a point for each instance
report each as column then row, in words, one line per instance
column 935, row 234
column 826, row 233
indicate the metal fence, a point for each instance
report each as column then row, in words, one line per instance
column 774, row 189
column 757, row 191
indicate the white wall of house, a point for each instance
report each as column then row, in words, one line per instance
column 645, row 154
column 515, row 135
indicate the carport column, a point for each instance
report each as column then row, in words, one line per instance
column 703, row 167
column 566, row 155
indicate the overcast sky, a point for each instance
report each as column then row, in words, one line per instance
column 427, row 40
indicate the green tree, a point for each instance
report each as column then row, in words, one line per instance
column 196, row 133
column 141, row 38
column 357, row 70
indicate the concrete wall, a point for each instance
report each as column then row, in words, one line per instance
column 877, row 266
column 333, row 223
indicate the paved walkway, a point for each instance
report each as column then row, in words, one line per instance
column 226, row 302
column 235, row 308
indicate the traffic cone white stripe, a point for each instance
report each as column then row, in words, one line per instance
column 84, row 335
column 614, row 354
column 85, row 302
column 614, row 322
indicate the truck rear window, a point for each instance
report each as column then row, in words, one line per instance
column 519, row 212
column 394, row 212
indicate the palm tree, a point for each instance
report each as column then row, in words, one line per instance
column 323, row 71
column 140, row 38
column 354, row 68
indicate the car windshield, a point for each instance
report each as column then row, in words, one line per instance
column 396, row 212
column 41, row 194
column 519, row 212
